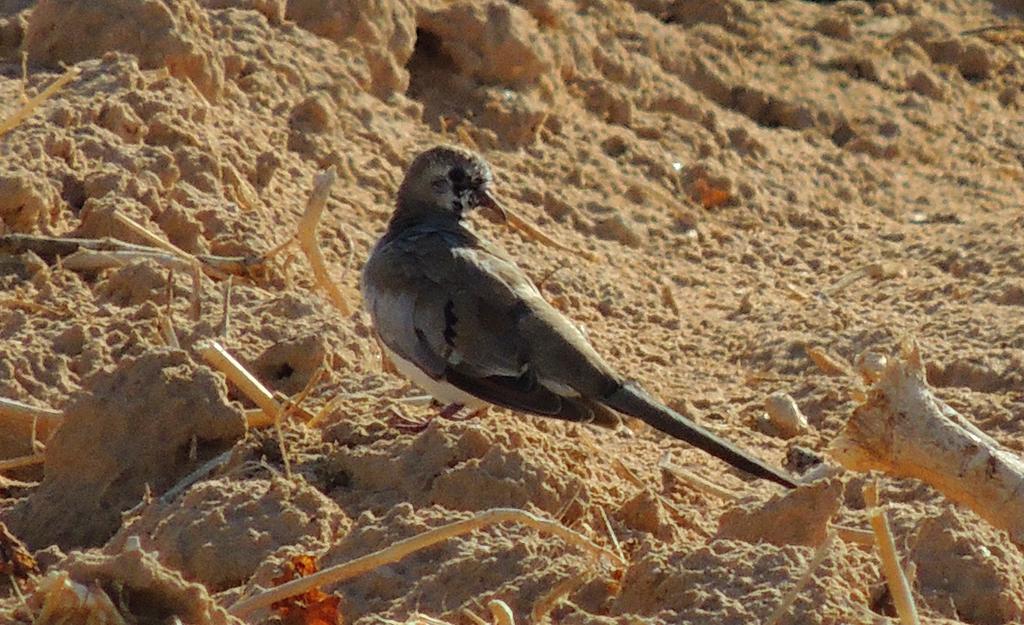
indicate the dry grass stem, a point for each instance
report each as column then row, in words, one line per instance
column 500, row 612
column 225, row 315
column 899, row 587
column 842, row 283
column 532, row 232
column 10, row 464
column 473, row 617
column 417, row 619
column 98, row 260
column 695, row 481
column 467, row 139
column 44, row 419
column 306, row 236
column 402, row 548
column 24, row 77
column 828, row 363
column 993, row 28
column 787, row 599
column 854, row 535
column 215, row 354
column 283, row 416
column 280, row 247
column 51, row 249
column 193, row 477
column 257, row 418
column 611, row 533
column 152, row 238
column 166, row 326
column 29, row 107
column 548, row 602
column 13, row 302
column 196, row 298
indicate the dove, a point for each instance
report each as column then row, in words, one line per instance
column 457, row 317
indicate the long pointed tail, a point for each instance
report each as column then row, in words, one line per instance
column 629, row 399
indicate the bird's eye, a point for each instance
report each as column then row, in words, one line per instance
column 440, row 185
column 458, row 176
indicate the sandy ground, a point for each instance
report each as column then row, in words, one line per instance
column 745, row 181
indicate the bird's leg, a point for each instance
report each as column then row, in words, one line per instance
column 466, row 416
column 406, row 424
column 385, row 363
column 450, row 411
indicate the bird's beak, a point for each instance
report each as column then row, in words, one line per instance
column 494, row 210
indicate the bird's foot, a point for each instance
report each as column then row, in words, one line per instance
column 451, row 412
column 459, row 415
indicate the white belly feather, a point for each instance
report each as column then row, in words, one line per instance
column 438, row 389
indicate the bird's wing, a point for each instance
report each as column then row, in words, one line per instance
column 465, row 314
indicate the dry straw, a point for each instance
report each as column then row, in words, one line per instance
column 402, row 548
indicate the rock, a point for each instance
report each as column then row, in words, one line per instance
column 618, row 228
column 835, row 26
column 247, row 520
column 385, row 32
column 146, row 591
column 927, row 84
column 175, row 35
column 797, row 517
column 785, row 415
column 26, row 201
column 129, row 431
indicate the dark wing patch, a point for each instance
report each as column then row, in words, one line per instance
column 523, row 393
column 449, row 323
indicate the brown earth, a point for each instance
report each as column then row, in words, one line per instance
column 749, row 180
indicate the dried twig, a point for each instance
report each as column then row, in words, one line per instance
column 829, row 364
column 98, row 260
column 899, row 588
column 151, row 237
column 473, row 617
column 215, row 354
column 292, row 406
column 14, row 302
column 500, row 612
column 29, row 107
column 193, row 477
column 21, row 461
column 533, row 232
column 166, row 327
column 993, row 28
column 225, row 315
column 197, row 291
column 548, row 602
column 423, row 619
column 402, row 548
column 51, row 248
column 695, row 481
column 325, row 410
column 854, row 535
column 44, row 419
column 611, row 533
column 306, row 237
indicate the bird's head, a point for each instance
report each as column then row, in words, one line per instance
column 448, row 180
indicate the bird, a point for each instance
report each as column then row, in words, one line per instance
column 456, row 316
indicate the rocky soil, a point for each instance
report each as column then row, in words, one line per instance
column 747, row 185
